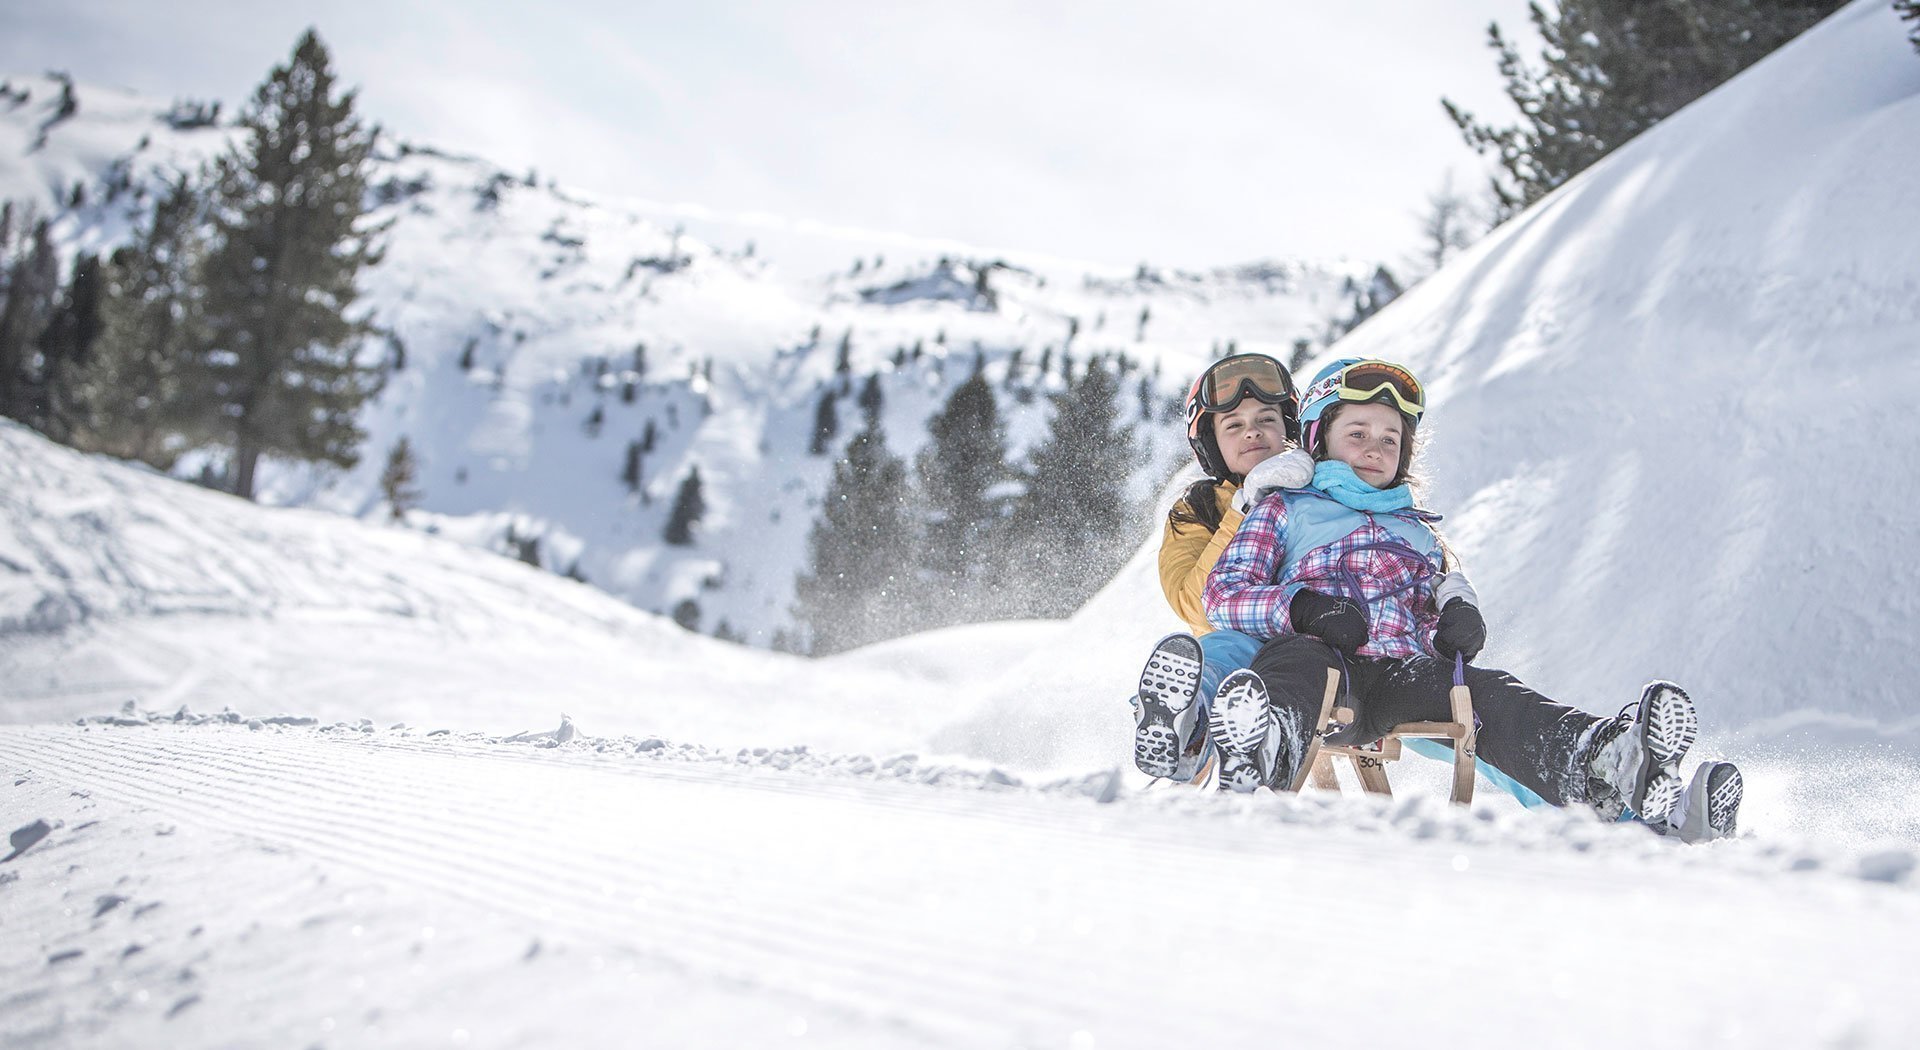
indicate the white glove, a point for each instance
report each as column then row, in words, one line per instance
column 1292, row 469
column 1453, row 585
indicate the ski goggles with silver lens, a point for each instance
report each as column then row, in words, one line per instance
column 1231, row 380
column 1382, row 381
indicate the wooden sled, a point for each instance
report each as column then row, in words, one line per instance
column 1370, row 761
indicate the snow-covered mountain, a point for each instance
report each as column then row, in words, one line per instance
column 540, row 332
column 1672, row 414
column 1649, row 394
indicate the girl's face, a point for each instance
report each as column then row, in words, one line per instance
column 1368, row 439
column 1251, row 432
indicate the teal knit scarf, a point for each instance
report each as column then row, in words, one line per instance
column 1338, row 480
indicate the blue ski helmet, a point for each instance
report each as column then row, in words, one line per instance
column 1359, row 381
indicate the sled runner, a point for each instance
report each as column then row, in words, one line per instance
column 1370, row 760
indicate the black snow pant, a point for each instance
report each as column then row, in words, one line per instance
column 1520, row 732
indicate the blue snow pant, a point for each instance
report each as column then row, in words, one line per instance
column 1222, row 653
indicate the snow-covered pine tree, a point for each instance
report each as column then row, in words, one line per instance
column 1369, row 298
column 689, row 506
column 826, row 423
column 288, row 212
column 686, row 613
column 65, row 346
column 871, row 401
column 633, row 474
column 843, row 363
column 29, row 289
column 1612, row 69
column 858, row 584
column 964, row 458
column 1070, row 528
column 399, row 480
column 1302, row 351
column 1445, row 230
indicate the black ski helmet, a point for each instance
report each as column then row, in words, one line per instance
column 1221, row 387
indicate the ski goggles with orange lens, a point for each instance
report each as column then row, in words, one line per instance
column 1380, row 381
column 1231, row 380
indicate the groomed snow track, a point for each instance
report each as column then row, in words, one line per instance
column 598, row 893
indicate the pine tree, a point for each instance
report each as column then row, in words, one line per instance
column 1610, row 70
column 633, row 474
column 525, row 549
column 1369, row 298
column 826, row 423
column 1444, row 229
column 1910, row 11
column 857, row 587
column 871, row 401
column 688, row 508
column 843, row 359
column 686, row 613
column 965, row 457
column 66, row 346
column 1302, row 351
column 290, row 240
column 399, row 481
column 1071, row 527
column 29, row 291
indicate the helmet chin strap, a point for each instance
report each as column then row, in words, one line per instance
column 1207, row 451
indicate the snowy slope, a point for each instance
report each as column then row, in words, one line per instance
column 121, row 585
column 391, row 836
column 1673, row 422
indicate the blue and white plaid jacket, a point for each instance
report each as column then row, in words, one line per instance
column 1299, row 538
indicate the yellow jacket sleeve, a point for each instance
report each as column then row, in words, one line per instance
column 1188, row 551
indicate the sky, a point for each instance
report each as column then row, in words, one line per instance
column 1123, row 132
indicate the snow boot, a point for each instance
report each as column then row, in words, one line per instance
column 1167, row 707
column 1710, row 807
column 1632, row 761
column 1253, row 745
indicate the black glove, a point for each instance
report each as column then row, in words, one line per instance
column 1339, row 622
column 1461, row 630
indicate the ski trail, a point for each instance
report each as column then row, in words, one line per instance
column 981, row 917
column 738, row 884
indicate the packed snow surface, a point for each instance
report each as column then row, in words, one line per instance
column 283, row 778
